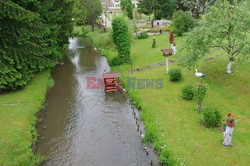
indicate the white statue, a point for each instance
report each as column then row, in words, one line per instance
column 228, row 133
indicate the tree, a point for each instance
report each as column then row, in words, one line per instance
column 57, row 15
column 127, row 6
column 181, row 22
column 225, row 27
column 33, row 37
column 159, row 8
column 129, row 10
column 79, row 13
column 121, row 38
column 197, row 7
column 148, row 7
column 167, row 8
column 144, row 7
column 22, row 51
column 180, row 5
column 123, row 4
column 93, row 9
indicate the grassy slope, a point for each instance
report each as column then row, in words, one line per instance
column 17, row 121
column 178, row 122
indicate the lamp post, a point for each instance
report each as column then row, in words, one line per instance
column 166, row 65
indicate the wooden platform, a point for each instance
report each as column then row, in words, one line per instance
column 111, row 75
column 110, row 81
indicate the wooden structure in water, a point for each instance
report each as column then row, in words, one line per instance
column 111, row 81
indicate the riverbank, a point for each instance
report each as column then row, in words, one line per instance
column 18, row 119
column 172, row 123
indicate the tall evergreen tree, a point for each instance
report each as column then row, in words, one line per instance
column 22, row 50
column 33, row 34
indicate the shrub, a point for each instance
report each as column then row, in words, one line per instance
column 199, row 95
column 175, row 75
column 121, row 38
column 100, row 40
column 116, row 61
column 142, row 35
column 211, row 117
column 163, row 159
column 182, row 22
column 154, row 43
column 187, row 92
column 84, row 32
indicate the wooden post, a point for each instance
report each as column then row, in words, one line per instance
column 166, row 53
column 166, row 65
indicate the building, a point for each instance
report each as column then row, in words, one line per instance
column 110, row 4
column 115, row 4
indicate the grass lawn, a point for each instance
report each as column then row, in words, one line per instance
column 17, row 121
column 177, row 122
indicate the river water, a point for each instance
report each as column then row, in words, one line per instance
column 87, row 127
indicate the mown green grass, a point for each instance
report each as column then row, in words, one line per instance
column 176, row 122
column 17, row 121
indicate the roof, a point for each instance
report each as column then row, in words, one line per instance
column 168, row 50
column 111, row 75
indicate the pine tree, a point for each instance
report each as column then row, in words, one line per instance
column 33, row 37
column 22, row 51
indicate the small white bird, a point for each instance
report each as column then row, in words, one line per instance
column 199, row 74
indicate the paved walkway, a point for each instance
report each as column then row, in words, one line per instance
column 152, row 66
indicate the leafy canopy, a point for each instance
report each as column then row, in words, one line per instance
column 160, row 8
column 182, row 22
column 226, row 27
column 89, row 9
column 127, row 7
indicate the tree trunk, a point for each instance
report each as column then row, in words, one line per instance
column 92, row 26
column 200, row 107
column 154, row 18
column 228, row 136
column 229, row 66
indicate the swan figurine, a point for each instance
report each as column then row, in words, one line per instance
column 199, row 74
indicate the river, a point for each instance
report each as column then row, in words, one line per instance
column 87, row 127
